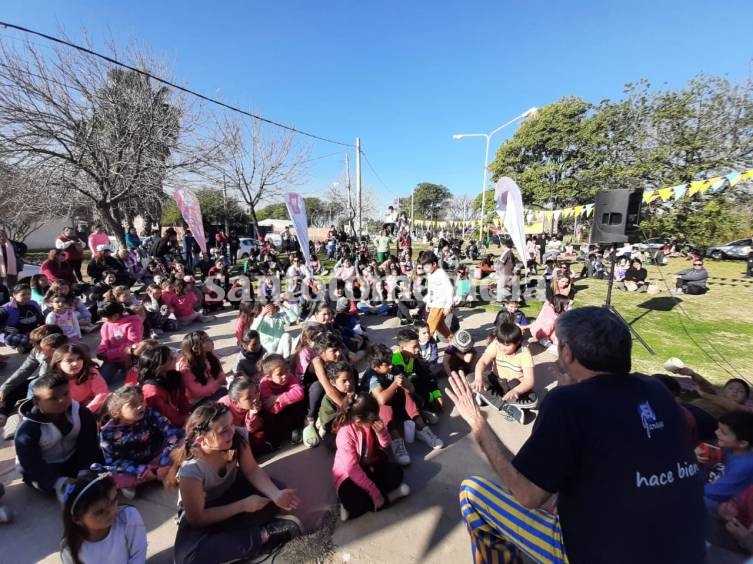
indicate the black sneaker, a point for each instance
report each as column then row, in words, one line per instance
column 295, row 437
column 281, row 530
column 491, row 398
column 527, row 401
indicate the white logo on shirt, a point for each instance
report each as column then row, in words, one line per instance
column 648, row 418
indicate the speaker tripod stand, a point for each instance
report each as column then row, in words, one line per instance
column 608, row 303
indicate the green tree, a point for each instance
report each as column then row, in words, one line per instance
column 429, row 200
column 272, row 211
column 316, row 211
column 546, row 154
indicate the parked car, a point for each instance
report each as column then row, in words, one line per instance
column 653, row 244
column 739, row 249
column 247, row 244
column 274, row 239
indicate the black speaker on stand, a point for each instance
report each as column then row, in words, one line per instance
column 616, row 218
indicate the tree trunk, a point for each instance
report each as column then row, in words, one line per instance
column 254, row 221
column 110, row 216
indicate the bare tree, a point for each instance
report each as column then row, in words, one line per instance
column 29, row 201
column 109, row 136
column 259, row 164
column 343, row 204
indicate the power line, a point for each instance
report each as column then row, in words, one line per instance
column 379, row 178
column 169, row 83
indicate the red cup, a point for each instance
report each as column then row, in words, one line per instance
column 711, row 452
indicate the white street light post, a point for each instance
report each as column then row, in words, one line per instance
column 488, row 137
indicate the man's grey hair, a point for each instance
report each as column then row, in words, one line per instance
column 598, row 339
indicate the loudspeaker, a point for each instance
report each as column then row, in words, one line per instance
column 616, row 215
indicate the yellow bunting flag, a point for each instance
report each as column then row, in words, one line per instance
column 665, row 193
column 577, row 210
column 648, row 196
column 747, row 175
column 567, row 212
column 695, row 187
column 548, row 214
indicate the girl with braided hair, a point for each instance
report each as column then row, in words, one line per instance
column 228, row 507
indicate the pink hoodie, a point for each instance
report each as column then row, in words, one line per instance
column 350, row 440
column 287, row 394
column 543, row 327
column 117, row 335
column 196, row 391
column 92, row 393
column 251, row 421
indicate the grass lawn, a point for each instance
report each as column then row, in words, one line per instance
column 712, row 333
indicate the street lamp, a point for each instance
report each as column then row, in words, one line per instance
column 488, row 137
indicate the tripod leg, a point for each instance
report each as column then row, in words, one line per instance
column 635, row 333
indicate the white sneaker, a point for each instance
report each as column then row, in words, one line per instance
column 128, row 493
column 430, row 417
column 401, row 453
column 403, row 490
column 344, row 513
column 9, row 431
column 427, row 436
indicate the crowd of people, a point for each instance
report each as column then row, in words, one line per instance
column 101, row 421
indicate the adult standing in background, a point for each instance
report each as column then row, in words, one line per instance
column 98, row 237
column 132, row 239
column 191, row 251
column 73, row 250
column 9, row 260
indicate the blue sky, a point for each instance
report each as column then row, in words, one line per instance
column 405, row 76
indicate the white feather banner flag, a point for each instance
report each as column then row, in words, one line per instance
column 510, row 208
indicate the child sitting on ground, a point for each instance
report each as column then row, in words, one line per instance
column 120, row 332
column 271, row 323
column 200, row 369
column 95, row 529
column 340, row 375
column 365, row 478
column 45, row 339
column 509, row 385
column 87, row 387
column 62, row 314
column 247, row 311
column 136, row 441
column 735, row 471
column 425, row 385
column 512, row 307
column 157, row 311
column 18, row 318
column 394, row 393
column 315, row 382
column 460, row 355
column 162, row 384
column 243, row 399
column 250, row 354
column 229, row 508
column 305, row 352
column 543, row 328
column 427, row 344
column 182, row 303
column 57, row 437
column 282, row 398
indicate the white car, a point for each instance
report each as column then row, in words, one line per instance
column 274, row 239
column 247, row 244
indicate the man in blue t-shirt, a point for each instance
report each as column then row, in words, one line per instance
column 613, row 446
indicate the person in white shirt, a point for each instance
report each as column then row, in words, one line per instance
column 439, row 297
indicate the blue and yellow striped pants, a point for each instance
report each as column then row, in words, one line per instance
column 502, row 529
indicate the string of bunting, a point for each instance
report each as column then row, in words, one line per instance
column 670, row 193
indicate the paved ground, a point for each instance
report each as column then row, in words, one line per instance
column 425, row 527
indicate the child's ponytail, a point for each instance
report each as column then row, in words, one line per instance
column 361, row 406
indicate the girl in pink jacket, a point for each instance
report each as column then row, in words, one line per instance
column 201, row 370
column 365, row 478
column 87, row 387
column 119, row 333
column 282, row 399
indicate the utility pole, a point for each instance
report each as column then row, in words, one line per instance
column 347, row 185
column 227, row 225
column 411, row 209
column 358, row 186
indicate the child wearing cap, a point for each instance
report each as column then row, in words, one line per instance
column 460, row 355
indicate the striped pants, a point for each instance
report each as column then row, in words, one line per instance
column 502, row 529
